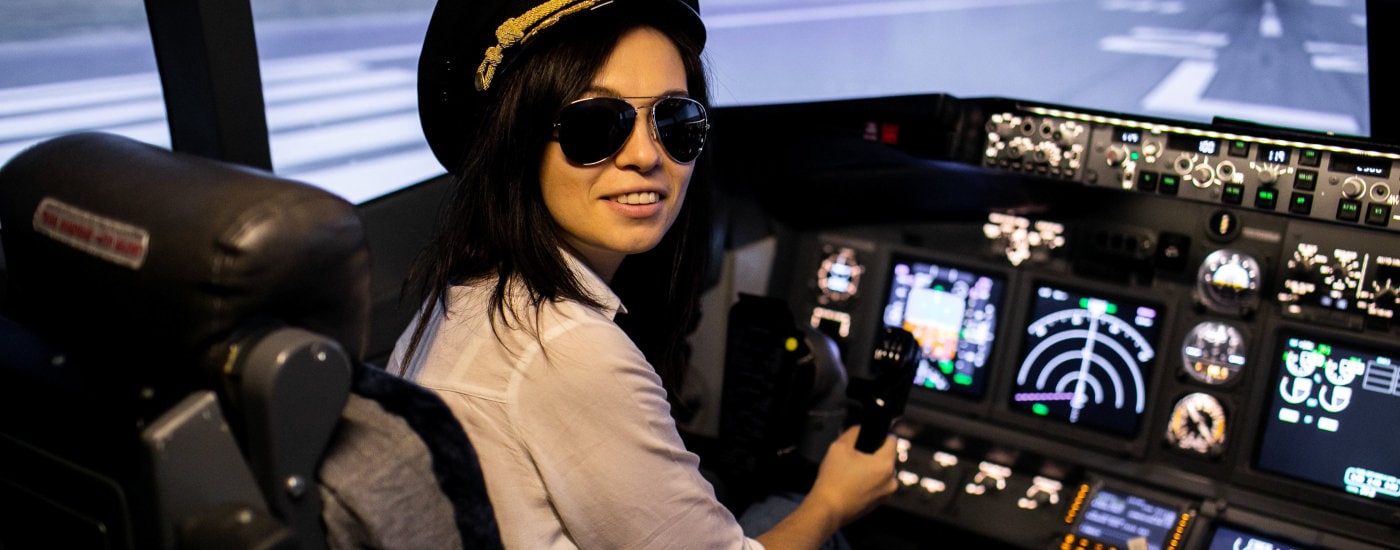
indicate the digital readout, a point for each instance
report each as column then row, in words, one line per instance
column 1365, row 166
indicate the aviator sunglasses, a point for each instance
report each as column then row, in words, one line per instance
column 592, row 130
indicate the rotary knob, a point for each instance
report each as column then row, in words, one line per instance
column 1268, row 176
column 1203, row 174
column 1353, row 187
column 1115, row 155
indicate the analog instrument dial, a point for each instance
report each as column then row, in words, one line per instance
column 1213, row 353
column 1228, row 282
column 1197, row 425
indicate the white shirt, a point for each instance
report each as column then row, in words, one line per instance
column 573, row 430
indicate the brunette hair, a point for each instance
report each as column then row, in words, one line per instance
column 495, row 224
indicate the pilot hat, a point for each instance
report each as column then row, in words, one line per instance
column 471, row 43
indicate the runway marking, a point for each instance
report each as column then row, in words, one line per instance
column 1270, row 26
column 1170, row 7
column 353, row 107
column 1182, row 91
column 1334, row 57
column 1166, row 42
column 855, row 11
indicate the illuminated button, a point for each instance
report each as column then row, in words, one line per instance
column 1266, row 198
column 1233, row 193
column 1306, row 180
column 1239, row 148
column 1147, row 181
column 1301, row 203
column 1349, row 210
column 1310, row 157
column 1378, row 214
column 1170, row 183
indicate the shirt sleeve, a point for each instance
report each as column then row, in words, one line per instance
column 595, row 419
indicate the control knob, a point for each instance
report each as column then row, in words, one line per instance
column 1353, row 187
column 1116, row 155
column 1268, row 175
column 1203, row 174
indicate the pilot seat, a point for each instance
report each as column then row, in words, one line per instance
column 181, row 347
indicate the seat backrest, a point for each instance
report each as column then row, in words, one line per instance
column 178, row 347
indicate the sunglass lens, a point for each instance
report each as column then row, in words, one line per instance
column 681, row 126
column 592, row 130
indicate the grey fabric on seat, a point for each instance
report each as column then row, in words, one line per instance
column 375, row 468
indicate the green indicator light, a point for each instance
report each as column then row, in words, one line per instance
column 1134, row 155
column 1040, row 409
column 1300, row 200
column 1112, row 308
column 929, row 384
column 1349, row 207
column 1266, row 195
column 946, row 367
column 1083, row 303
column 1233, row 190
column 962, row 379
column 1324, row 349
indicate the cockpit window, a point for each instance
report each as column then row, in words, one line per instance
column 75, row 65
column 339, row 84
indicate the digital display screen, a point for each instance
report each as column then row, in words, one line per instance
column 1230, row 538
column 953, row 313
column 1087, row 360
column 1117, row 519
column 1274, row 154
column 1197, row 144
column 1128, row 136
column 1365, row 166
column 1331, row 420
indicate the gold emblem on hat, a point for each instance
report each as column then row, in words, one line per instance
column 520, row 29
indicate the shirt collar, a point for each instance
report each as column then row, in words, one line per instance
column 594, row 286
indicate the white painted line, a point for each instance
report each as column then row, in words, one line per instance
column 1335, row 57
column 1182, row 91
column 1144, row 6
column 290, row 149
column 40, row 97
column 1124, row 44
column 69, row 120
column 1184, row 85
column 1270, row 26
column 361, row 181
column 329, row 110
column 855, row 11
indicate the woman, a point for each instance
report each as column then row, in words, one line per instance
column 575, row 148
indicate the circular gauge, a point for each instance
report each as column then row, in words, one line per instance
column 838, row 278
column 1197, row 425
column 1228, row 282
column 1213, row 353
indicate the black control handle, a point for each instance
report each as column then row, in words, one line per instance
column 882, row 397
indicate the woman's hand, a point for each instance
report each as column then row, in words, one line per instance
column 849, row 484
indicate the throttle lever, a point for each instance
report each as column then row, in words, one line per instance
column 883, row 396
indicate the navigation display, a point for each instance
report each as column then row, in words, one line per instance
column 1125, row 520
column 953, row 314
column 1230, row 538
column 1087, row 360
column 1333, row 409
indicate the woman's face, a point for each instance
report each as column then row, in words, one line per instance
column 624, row 204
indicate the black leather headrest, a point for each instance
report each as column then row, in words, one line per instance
column 131, row 252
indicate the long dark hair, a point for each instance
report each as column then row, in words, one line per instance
column 495, row 225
